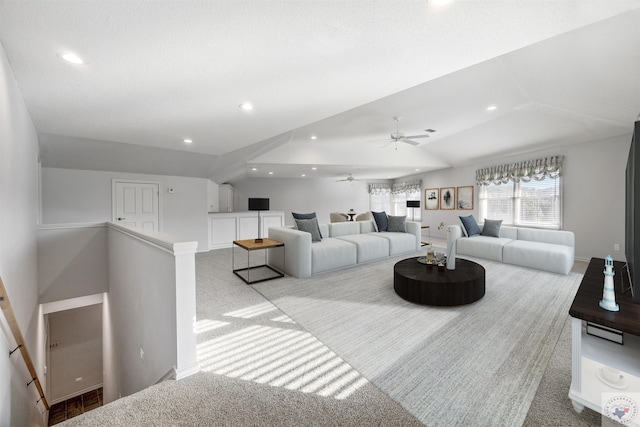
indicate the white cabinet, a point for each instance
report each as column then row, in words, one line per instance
column 225, row 198
column 224, row 228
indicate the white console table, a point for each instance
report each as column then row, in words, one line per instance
column 225, row 227
column 598, row 365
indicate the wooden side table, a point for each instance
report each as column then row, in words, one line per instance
column 268, row 272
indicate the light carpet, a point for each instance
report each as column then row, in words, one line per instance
column 479, row 364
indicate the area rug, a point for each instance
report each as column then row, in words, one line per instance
column 478, row 364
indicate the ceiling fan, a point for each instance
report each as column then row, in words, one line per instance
column 349, row 178
column 408, row 139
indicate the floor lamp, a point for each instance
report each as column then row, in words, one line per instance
column 257, row 204
column 413, row 204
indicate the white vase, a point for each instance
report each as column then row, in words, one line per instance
column 451, row 251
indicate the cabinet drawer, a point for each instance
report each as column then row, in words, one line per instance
column 598, row 378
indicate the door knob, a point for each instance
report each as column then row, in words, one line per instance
column 120, row 219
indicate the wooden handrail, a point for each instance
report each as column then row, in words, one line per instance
column 5, row 304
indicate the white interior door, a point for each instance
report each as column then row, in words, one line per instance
column 136, row 204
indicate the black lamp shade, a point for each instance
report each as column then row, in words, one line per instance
column 413, row 203
column 257, row 204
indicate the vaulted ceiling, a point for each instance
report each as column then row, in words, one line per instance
column 558, row 72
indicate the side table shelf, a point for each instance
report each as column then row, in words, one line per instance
column 602, row 370
column 260, row 272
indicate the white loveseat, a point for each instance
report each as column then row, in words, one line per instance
column 548, row 250
column 343, row 244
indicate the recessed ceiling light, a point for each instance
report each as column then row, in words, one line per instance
column 72, row 58
column 246, row 106
column 314, row 137
column 254, row 169
column 187, row 141
column 417, row 170
column 314, row 168
column 440, row 2
column 491, row 108
column 270, row 173
column 303, row 175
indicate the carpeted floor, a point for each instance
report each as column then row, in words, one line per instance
column 265, row 364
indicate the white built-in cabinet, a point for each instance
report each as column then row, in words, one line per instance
column 225, row 227
column 225, row 198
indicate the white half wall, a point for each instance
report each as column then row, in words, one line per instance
column 77, row 196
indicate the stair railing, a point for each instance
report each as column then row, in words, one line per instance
column 5, row 305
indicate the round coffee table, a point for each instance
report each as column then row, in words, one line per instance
column 426, row 284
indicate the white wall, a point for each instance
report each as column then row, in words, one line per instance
column 593, row 191
column 72, row 262
column 76, row 196
column 304, row 195
column 75, row 338
column 18, row 269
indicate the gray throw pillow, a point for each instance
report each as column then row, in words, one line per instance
column 311, row 215
column 491, row 227
column 470, row 225
column 397, row 224
column 310, row 226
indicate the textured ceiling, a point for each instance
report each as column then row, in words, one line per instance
column 162, row 71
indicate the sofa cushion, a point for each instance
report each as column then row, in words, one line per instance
column 482, row 247
column 556, row 237
column 543, row 256
column 367, row 227
column 399, row 242
column 368, row 246
column 491, row 227
column 332, row 253
column 310, row 226
column 310, row 215
column 337, row 229
column 381, row 220
column 396, row 224
column 469, row 225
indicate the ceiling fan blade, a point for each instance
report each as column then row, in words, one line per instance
column 418, row 136
column 410, row 142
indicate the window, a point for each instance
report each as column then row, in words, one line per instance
column 531, row 204
column 392, row 199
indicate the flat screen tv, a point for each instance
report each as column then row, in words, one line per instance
column 632, row 212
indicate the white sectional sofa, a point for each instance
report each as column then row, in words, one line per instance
column 343, row 244
column 548, row 250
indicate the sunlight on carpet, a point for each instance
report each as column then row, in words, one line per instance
column 287, row 358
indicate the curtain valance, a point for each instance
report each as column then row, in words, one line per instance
column 398, row 187
column 524, row 171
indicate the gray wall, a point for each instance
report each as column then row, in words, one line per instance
column 593, row 191
column 78, row 196
column 304, row 195
column 18, row 257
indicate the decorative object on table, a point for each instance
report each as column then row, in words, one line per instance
column 448, row 198
column 431, row 198
column 258, row 204
column 451, row 250
column 413, row 204
column 430, row 254
column 441, row 225
column 465, row 197
column 608, row 301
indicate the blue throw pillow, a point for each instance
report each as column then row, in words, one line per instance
column 307, row 216
column 397, row 224
column 470, row 225
column 381, row 220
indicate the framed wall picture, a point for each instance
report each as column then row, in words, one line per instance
column 431, row 198
column 465, row 197
column 448, row 198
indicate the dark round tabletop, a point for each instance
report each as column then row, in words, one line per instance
column 427, row 284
